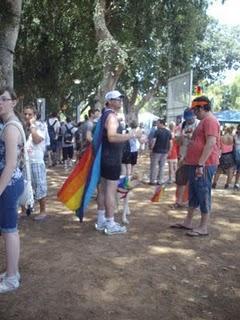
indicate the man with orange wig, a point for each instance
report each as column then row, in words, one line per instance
column 202, row 158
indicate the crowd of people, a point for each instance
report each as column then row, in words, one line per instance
column 195, row 146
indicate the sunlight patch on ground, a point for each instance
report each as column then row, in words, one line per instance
column 230, row 226
column 109, row 291
column 226, row 195
column 42, row 241
column 228, row 237
column 166, row 250
column 123, row 261
column 71, row 227
column 75, row 218
column 65, row 212
column 237, row 292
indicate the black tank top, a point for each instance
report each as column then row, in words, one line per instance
column 111, row 151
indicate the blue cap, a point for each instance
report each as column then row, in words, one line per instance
column 188, row 114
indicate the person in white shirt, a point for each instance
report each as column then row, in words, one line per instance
column 36, row 147
column 183, row 138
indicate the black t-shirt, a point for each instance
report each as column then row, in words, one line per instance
column 163, row 137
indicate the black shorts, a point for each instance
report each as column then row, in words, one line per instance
column 53, row 146
column 134, row 156
column 67, row 152
column 110, row 172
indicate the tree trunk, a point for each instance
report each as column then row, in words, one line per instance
column 131, row 108
column 112, row 56
column 10, row 12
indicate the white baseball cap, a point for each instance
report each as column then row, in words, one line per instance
column 115, row 94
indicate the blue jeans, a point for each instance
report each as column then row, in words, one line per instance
column 8, row 206
column 158, row 161
column 200, row 188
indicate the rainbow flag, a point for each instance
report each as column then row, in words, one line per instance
column 80, row 185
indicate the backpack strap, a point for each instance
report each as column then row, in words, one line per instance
column 68, row 129
column 26, row 156
column 52, row 125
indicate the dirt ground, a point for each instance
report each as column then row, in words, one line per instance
column 70, row 271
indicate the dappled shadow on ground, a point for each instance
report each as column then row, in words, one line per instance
column 70, row 271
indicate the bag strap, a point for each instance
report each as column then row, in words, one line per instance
column 53, row 124
column 26, row 156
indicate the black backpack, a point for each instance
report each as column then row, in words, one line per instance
column 68, row 135
column 51, row 130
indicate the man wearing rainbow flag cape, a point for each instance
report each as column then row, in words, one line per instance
column 100, row 162
column 111, row 158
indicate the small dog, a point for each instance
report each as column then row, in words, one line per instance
column 125, row 185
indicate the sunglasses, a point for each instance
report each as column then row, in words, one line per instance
column 197, row 109
column 4, row 99
column 116, row 99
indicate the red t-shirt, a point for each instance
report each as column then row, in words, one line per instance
column 209, row 126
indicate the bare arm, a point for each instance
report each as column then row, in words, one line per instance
column 11, row 138
column 112, row 126
column 210, row 142
column 153, row 143
column 36, row 138
column 89, row 137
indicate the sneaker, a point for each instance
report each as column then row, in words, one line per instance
column 100, row 226
column 236, row 186
column 4, row 275
column 70, row 163
column 152, row 183
column 9, row 284
column 115, row 228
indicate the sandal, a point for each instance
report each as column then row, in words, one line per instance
column 180, row 226
column 195, row 233
column 177, row 206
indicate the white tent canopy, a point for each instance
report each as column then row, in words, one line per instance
column 147, row 119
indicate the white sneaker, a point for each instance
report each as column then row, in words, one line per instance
column 9, row 284
column 4, row 275
column 100, row 226
column 236, row 186
column 115, row 228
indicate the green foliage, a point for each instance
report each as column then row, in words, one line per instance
column 158, row 39
column 225, row 96
column 56, row 45
column 220, row 50
column 235, row 93
column 161, row 42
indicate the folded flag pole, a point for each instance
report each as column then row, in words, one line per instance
column 158, row 193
